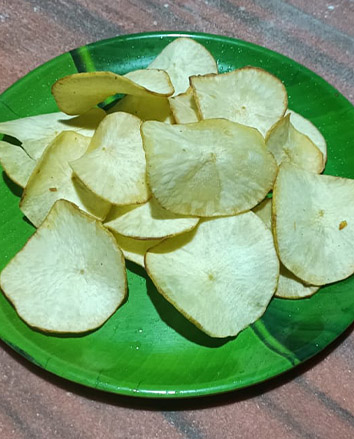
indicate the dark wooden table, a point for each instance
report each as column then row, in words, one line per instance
column 314, row 401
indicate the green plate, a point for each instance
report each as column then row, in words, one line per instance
column 147, row 348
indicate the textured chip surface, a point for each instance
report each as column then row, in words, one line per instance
column 184, row 108
column 114, row 166
column 52, row 179
column 286, row 143
column 78, row 93
column 134, row 250
column 289, row 286
column 17, row 164
column 209, row 168
column 183, row 58
column 250, row 96
column 145, row 108
column 220, row 276
column 148, row 221
column 306, row 127
column 70, row 276
column 313, row 221
column 37, row 132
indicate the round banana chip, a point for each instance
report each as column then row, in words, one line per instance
column 220, row 276
column 155, row 81
column 313, row 220
column 151, row 108
column 70, row 276
column 289, row 286
column 250, row 96
column 134, row 250
column 114, row 166
column 286, row 143
column 309, row 129
column 52, row 179
column 209, row 168
column 183, row 58
column 183, row 107
column 17, row 164
column 36, row 132
column 148, row 221
column 78, row 93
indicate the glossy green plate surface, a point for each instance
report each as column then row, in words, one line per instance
column 147, row 348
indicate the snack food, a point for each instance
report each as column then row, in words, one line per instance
column 225, row 170
column 72, row 273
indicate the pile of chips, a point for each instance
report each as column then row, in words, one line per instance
column 206, row 180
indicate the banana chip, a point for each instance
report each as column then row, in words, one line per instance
column 52, row 179
column 37, row 132
column 183, row 58
column 210, row 168
column 17, row 164
column 134, row 250
column 174, row 170
column 78, row 93
column 151, row 108
column 155, row 81
column 286, row 143
column 70, row 276
column 114, row 167
column 148, row 221
column 183, row 107
column 289, row 286
column 313, row 221
column 309, row 129
column 220, row 276
column 250, row 96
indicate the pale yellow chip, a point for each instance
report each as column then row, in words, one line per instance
column 289, row 286
column 183, row 58
column 17, row 164
column 151, row 108
column 78, row 93
column 52, row 179
column 221, row 276
column 156, row 82
column 210, row 168
column 286, row 143
column 309, row 129
column 134, row 250
column 250, row 96
column 114, row 167
column 37, row 132
column 183, row 107
column 264, row 211
column 148, row 221
column 70, row 276
column 313, row 220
